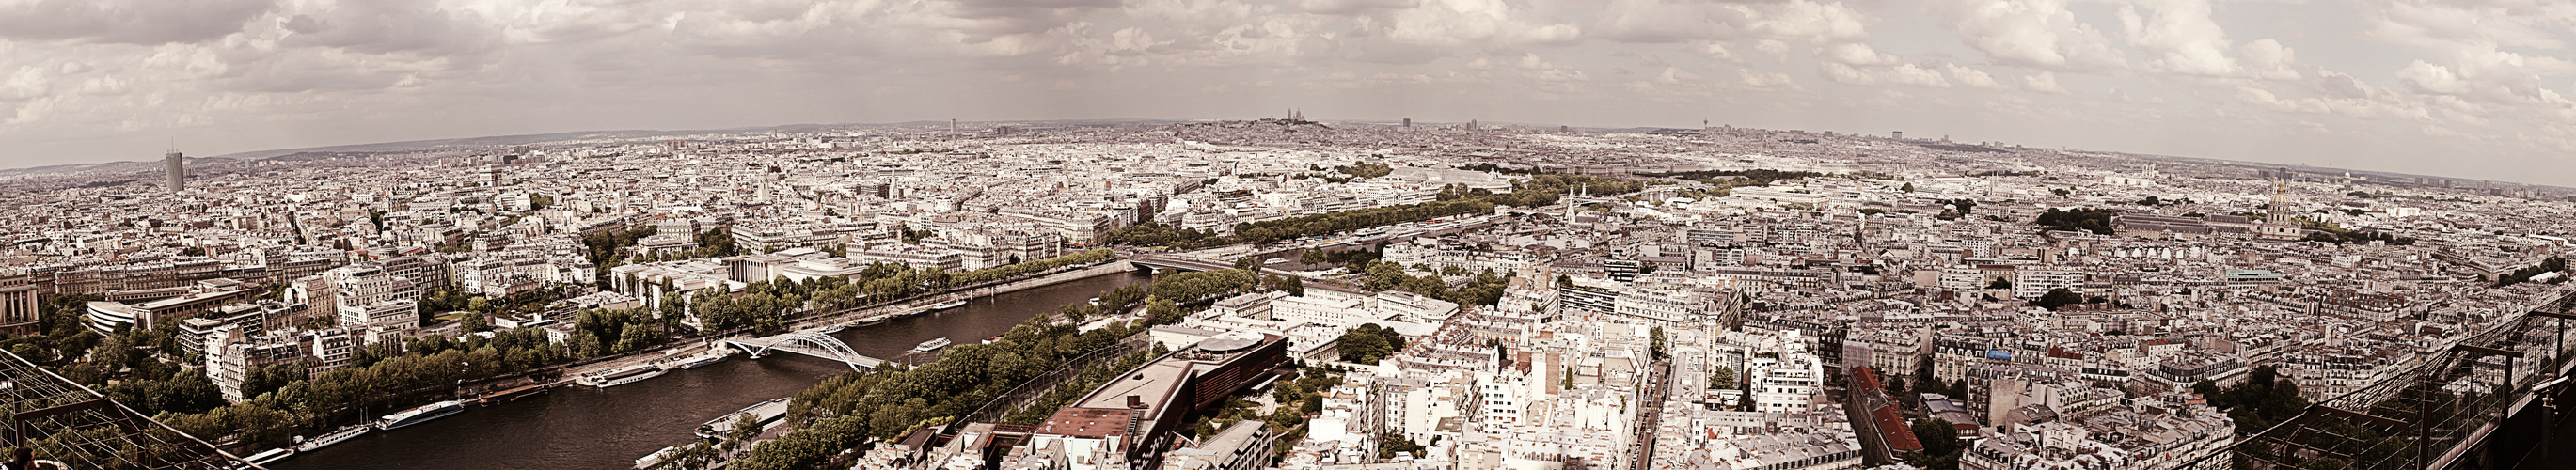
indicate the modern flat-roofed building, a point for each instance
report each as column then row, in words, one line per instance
column 1244, row 445
column 1131, row 421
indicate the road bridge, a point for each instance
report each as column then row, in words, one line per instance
column 1179, row 263
column 809, row 342
column 1183, row 263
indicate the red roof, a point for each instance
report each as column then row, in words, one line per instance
column 1892, row 429
column 1086, row 422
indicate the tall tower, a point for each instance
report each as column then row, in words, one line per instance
column 769, row 180
column 177, row 167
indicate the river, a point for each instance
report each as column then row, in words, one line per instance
column 594, row 428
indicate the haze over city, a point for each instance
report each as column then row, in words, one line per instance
column 2472, row 91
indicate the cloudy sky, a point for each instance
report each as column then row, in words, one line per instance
column 2469, row 88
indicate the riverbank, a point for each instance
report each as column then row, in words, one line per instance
column 586, row 427
column 562, row 374
column 970, row 292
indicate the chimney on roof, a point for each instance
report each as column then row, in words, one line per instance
column 1135, row 402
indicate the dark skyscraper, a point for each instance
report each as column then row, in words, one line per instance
column 177, row 167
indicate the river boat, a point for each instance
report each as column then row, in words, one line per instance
column 420, row 415
column 949, row 305
column 655, row 459
column 911, row 310
column 932, row 345
column 621, row 376
column 515, row 393
column 765, row 413
column 334, row 437
column 269, row 457
column 712, row 356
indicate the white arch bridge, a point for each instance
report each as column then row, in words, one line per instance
column 810, row 343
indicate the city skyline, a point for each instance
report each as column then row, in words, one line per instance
column 2397, row 85
column 1446, row 297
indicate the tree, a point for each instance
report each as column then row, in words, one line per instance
column 2097, row 221
column 1938, row 436
column 475, row 321
column 1369, row 343
column 1941, row 446
column 2000, row 283
column 1723, row 378
column 2058, row 297
column 1924, row 381
column 1656, row 337
column 1395, row 443
column 1163, row 312
column 744, row 428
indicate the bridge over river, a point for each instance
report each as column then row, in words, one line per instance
column 808, row 342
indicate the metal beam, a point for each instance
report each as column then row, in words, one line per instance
column 2358, row 416
column 2487, row 351
column 85, row 405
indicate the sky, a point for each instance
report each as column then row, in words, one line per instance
column 2463, row 88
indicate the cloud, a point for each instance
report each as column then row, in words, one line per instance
column 378, row 27
column 1901, row 74
column 1855, row 54
column 1471, row 23
column 1434, row 29
column 2031, row 33
column 1715, row 50
column 2339, row 94
column 2269, row 60
column 2442, row 24
column 1354, row 7
column 263, row 72
column 1656, row 21
column 2435, row 79
column 1760, row 79
column 2043, row 82
column 1675, row 75
column 127, row 21
column 2179, row 37
column 1971, row 78
column 1779, row 51
column 2491, row 77
column 2468, row 50
column 2344, row 86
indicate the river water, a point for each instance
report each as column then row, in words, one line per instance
column 595, row 428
